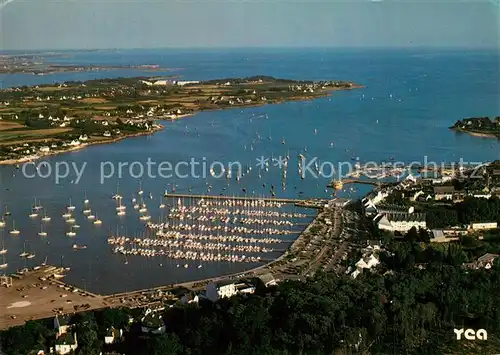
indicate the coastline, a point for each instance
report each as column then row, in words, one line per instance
column 475, row 134
column 33, row 158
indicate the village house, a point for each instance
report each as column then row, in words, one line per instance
column 268, row 279
column 223, row 289
column 443, row 192
column 65, row 341
column 475, row 226
column 113, row 336
column 483, row 262
column 152, row 323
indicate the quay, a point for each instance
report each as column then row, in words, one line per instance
column 237, row 198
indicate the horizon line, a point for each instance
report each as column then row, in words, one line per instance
column 406, row 47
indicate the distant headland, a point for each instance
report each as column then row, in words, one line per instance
column 479, row 126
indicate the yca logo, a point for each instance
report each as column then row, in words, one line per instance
column 471, row 334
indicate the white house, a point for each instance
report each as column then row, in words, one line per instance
column 75, row 142
column 66, row 343
column 152, row 323
column 215, row 291
column 113, row 335
column 83, row 138
column 483, row 225
column 107, row 134
column 44, row 149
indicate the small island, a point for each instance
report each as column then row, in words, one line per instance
column 479, row 126
column 42, row 120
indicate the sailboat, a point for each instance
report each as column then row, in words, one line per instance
column 3, row 250
column 90, row 217
column 66, row 215
column 97, row 221
column 46, row 218
column 44, row 262
column 42, row 233
column 70, row 220
column 117, row 196
column 86, row 200
column 121, row 213
column 140, row 192
column 24, row 253
column 120, row 207
column 3, row 265
column 86, row 209
column 14, row 231
column 37, row 207
column 70, row 207
column 71, row 233
column 6, row 213
column 33, row 213
column 2, row 222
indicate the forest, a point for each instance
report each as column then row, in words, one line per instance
column 404, row 310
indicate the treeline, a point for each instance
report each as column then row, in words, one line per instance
column 407, row 311
column 469, row 210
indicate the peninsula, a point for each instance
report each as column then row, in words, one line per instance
column 479, row 126
column 50, row 119
column 39, row 64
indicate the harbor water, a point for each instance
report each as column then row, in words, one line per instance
column 410, row 99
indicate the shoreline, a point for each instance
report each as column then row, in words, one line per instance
column 160, row 127
column 82, row 146
column 475, row 134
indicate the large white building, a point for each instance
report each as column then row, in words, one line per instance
column 401, row 222
column 224, row 289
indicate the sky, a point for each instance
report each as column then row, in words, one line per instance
column 89, row 24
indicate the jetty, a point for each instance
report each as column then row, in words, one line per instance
column 236, row 198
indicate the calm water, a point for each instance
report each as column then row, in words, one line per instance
column 430, row 91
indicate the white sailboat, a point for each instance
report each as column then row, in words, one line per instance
column 24, row 253
column 86, row 200
column 86, row 209
column 140, row 192
column 121, row 213
column 37, row 207
column 90, row 217
column 2, row 222
column 97, row 221
column 117, row 196
column 3, row 250
column 33, row 213
column 14, row 231
column 46, row 218
column 120, row 207
column 42, row 233
column 145, row 218
column 71, row 233
column 44, row 262
column 4, row 264
column 70, row 207
column 66, row 215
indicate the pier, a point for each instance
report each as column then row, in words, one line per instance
column 237, row 198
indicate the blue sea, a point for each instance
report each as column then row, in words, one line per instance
column 410, row 98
